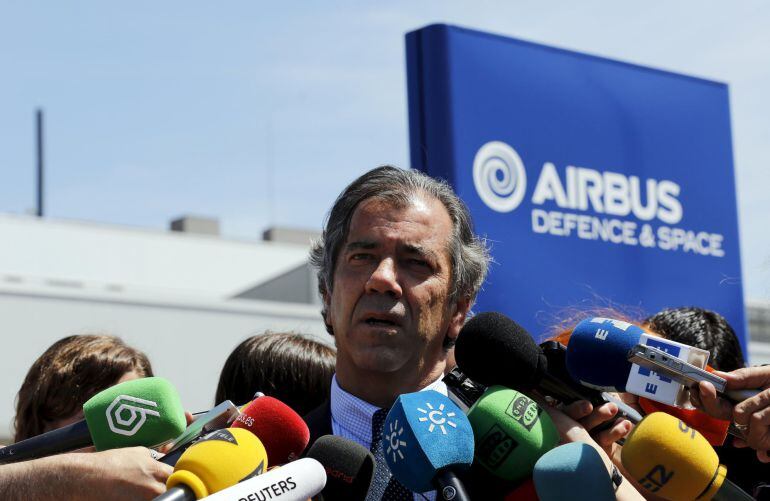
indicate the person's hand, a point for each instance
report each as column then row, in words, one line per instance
column 572, row 431
column 118, row 474
column 752, row 415
column 591, row 417
column 128, row 473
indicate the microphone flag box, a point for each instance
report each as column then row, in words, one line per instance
column 649, row 384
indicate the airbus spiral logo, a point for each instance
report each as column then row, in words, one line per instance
column 499, row 176
column 126, row 414
column 437, row 418
column 395, row 444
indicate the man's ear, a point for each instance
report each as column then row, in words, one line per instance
column 460, row 311
column 325, row 311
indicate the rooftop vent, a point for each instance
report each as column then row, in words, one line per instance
column 196, row 224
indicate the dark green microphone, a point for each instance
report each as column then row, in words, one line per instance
column 145, row 412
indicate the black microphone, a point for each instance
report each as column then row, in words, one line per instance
column 349, row 468
column 493, row 349
column 463, row 391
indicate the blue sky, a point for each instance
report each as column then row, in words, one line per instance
column 259, row 114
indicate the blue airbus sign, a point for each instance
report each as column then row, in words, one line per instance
column 591, row 178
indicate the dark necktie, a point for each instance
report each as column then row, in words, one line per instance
column 384, row 486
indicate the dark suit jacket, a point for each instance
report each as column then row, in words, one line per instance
column 319, row 422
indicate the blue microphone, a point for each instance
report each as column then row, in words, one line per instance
column 570, row 471
column 426, row 438
column 597, row 353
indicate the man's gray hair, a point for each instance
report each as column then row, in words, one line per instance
column 468, row 253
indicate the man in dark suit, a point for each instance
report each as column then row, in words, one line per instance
column 398, row 269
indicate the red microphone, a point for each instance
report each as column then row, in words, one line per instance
column 282, row 431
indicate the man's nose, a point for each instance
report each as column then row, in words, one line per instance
column 384, row 279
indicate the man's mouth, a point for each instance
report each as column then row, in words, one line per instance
column 380, row 322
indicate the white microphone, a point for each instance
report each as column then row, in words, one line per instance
column 296, row 481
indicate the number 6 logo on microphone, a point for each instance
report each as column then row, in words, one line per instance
column 127, row 414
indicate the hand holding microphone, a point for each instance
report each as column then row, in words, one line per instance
column 493, row 349
column 751, row 416
column 129, row 473
column 572, row 432
column 125, row 474
column 145, row 412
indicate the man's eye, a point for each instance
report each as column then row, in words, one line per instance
column 419, row 262
column 360, row 257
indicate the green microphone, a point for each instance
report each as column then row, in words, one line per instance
column 144, row 412
column 511, row 432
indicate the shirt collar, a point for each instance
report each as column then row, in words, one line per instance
column 350, row 412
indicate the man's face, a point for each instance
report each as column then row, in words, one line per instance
column 392, row 278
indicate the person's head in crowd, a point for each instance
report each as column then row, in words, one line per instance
column 561, row 322
column 703, row 329
column 399, row 267
column 293, row 368
column 67, row 374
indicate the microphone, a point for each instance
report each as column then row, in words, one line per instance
column 296, row 481
column 512, row 432
column 145, row 412
column 493, row 349
column 349, row 468
column 218, row 417
column 426, row 438
column 672, row 460
column 598, row 356
column 282, row 431
column 572, row 470
column 462, row 390
column 220, row 459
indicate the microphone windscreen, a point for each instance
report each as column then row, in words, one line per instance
column 425, row 432
column 493, row 349
column 570, row 470
column 349, row 467
column 597, row 353
column 146, row 411
column 511, row 431
column 672, row 460
column 282, row 431
column 220, row 459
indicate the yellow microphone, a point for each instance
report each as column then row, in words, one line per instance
column 674, row 461
column 219, row 460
